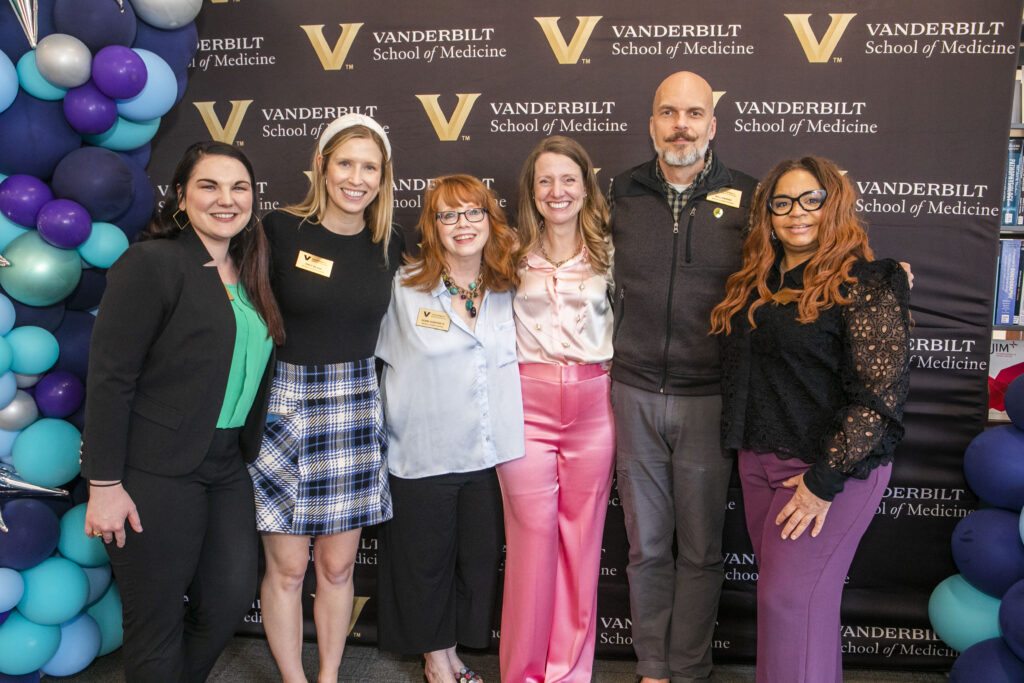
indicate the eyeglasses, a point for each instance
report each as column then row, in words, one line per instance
column 812, row 200
column 452, row 217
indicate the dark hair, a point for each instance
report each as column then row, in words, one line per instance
column 249, row 248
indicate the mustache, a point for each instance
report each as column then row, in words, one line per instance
column 681, row 136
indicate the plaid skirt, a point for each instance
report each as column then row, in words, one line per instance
column 321, row 467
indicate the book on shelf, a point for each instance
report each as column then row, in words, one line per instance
column 1012, row 182
column 1005, row 364
column 1006, row 282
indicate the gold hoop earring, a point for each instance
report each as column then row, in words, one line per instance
column 177, row 221
column 251, row 223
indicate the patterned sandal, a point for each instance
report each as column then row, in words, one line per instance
column 467, row 675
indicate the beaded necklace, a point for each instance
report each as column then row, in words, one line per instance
column 465, row 294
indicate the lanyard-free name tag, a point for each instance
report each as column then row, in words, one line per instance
column 435, row 320
column 314, row 264
column 728, row 196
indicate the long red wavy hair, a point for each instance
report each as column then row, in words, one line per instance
column 841, row 242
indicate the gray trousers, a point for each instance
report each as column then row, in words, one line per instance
column 673, row 478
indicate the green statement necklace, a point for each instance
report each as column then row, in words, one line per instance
column 467, row 295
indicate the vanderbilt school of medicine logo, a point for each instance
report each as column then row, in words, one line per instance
column 567, row 53
column 331, row 58
column 819, row 51
column 448, row 128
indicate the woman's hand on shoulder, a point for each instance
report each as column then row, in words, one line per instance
column 109, row 507
column 802, row 509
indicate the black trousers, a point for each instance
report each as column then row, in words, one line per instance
column 199, row 541
column 437, row 578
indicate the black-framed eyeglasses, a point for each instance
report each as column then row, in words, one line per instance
column 812, row 200
column 452, row 217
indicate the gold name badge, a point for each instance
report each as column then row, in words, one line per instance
column 435, row 320
column 728, row 196
column 314, row 264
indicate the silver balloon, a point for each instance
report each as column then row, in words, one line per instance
column 19, row 413
column 63, row 60
column 25, row 381
column 167, row 14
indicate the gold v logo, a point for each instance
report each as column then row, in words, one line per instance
column 819, row 51
column 567, row 54
column 331, row 59
column 716, row 95
column 448, row 129
column 358, row 603
column 227, row 132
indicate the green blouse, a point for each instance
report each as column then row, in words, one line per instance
column 248, row 361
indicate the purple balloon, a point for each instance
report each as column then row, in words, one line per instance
column 119, row 72
column 88, row 110
column 59, row 394
column 64, row 224
column 21, row 198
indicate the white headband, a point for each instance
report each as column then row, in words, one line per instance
column 347, row 121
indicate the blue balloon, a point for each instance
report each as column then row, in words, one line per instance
column 994, row 466
column 73, row 335
column 99, row 580
column 12, row 588
column 8, row 81
column 989, row 661
column 9, row 231
column 47, row 317
column 138, row 215
column 55, row 591
column 1014, row 402
column 97, row 23
column 46, row 452
column 86, row 551
column 107, row 613
column 6, row 315
column 1011, row 618
column 34, row 136
column 33, row 82
column 33, row 530
column 89, row 291
column 175, row 46
column 7, row 437
column 138, row 156
column 125, row 135
column 35, row 350
column 8, row 388
column 6, row 358
column 27, row 645
column 961, row 614
column 31, row 677
column 987, row 550
column 157, row 96
column 104, row 246
column 79, row 645
column 12, row 39
column 182, row 81
column 98, row 179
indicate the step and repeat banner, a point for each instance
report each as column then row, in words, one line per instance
column 911, row 98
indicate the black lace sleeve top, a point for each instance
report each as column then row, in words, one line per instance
column 829, row 392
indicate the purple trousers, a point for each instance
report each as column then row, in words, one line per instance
column 800, row 582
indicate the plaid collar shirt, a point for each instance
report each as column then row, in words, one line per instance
column 676, row 199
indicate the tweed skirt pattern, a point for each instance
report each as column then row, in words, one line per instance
column 321, row 468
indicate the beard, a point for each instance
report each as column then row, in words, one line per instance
column 684, row 158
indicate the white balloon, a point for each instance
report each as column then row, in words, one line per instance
column 19, row 413
column 167, row 14
column 63, row 60
column 24, row 380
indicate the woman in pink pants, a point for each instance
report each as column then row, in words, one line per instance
column 555, row 498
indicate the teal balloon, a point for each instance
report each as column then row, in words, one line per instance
column 125, row 135
column 40, row 274
column 8, row 81
column 961, row 614
column 25, row 645
column 99, row 581
column 105, row 245
column 33, row 350
column 55, row 591
column 86, row 551
column 12, row 588
column 33, row 82
column 46, row 452
column 79, row 644
column 107, row 613
column 8, row 231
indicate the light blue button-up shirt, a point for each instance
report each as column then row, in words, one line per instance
column 452, row 399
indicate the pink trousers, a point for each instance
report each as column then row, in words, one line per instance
column 555, row 502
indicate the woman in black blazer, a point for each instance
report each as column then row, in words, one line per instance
column 178, row 369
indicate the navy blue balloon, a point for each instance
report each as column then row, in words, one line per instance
column 988, row 661
column 1014, row 402
column 138, row 156
column 86, row 296
column 12, row 39
column 47, row 317
column 994, row 467
column 176, row 47
column 182, row 79
column 96, row 178
column 987, row 550
column 33, row 531
column 78, row 420
column 135, row 218
column 97, row 23
column 73, row 337
column 34, row 137
column 23, row 678
column 1011, row 618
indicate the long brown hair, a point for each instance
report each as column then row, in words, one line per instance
column 497, row 269
column 841, row 242
column 593, row 217
column 249, row 248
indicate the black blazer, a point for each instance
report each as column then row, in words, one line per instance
column 159, row 361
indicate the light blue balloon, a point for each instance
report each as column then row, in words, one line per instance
column 46, row 452
column 105, row 245
column 8, row 231
column 34, row 349
column 12, row 588
column 157, row 96
column 125, row 135
column 107, row 613
column 33, row 82
column 85, row 551
column 55, row 591
column 26, row 645
column 79, row 644
column 7, row 313
column 8, row 81
column 99, row 580
column 7, row 438
column 961, row 614
column 8, row 390
column 6, row 358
